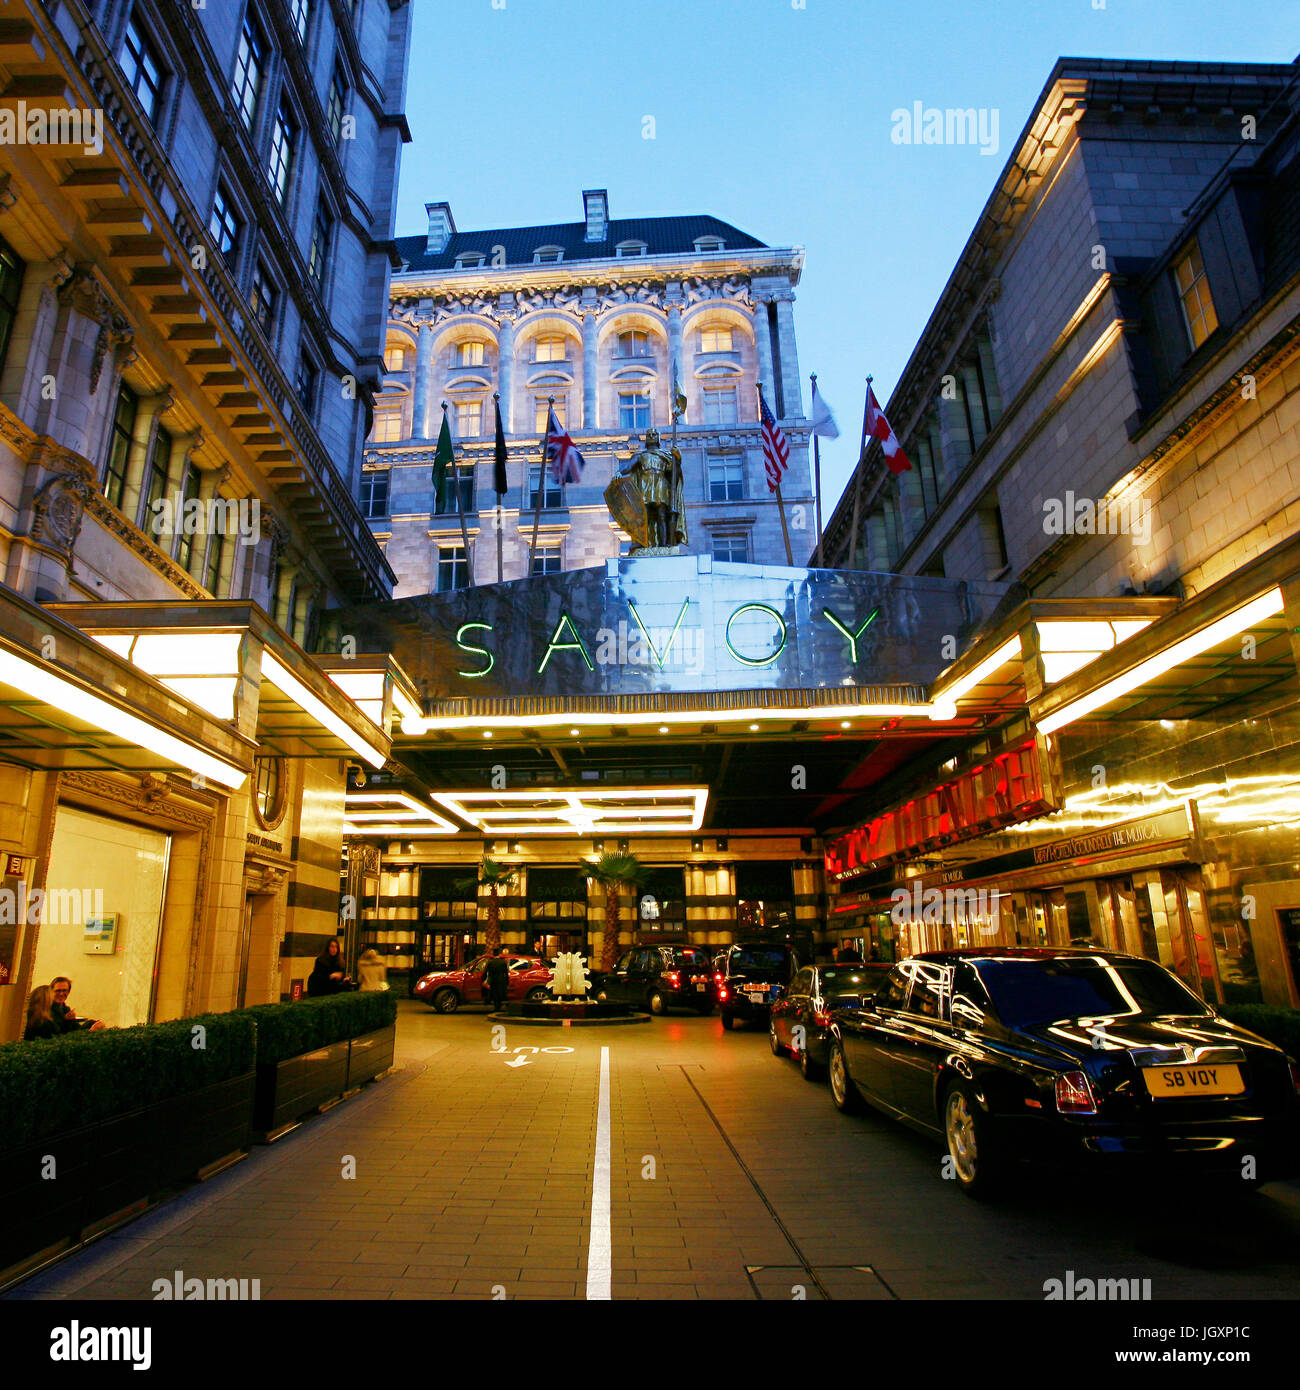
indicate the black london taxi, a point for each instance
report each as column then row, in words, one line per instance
column 752, row 975
column 661, row 977
column 1073, row 1058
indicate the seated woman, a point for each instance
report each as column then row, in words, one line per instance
column 328, row 976
column 42, row 1022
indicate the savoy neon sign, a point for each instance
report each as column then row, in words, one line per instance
column 750, row 641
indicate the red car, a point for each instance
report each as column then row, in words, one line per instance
column 447, row 990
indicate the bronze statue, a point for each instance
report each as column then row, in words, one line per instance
column 656, row 474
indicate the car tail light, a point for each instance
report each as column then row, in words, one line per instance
column 1074, row 1094
column 722, row 992
column 1295, row 1075
column 717, row 975
column 674, row 978
column 821, row 1017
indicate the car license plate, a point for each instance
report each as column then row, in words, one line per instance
column 700, row 987
column 756, row 998
column 1193, row 1079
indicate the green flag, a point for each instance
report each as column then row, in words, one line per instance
column 443, row 458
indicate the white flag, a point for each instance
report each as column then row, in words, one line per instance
column 823, row 422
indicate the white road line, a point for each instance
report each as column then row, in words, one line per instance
column 600, row 1251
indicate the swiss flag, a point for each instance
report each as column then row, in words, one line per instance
column 879, row 428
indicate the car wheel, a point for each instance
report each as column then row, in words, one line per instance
column 728, row 1022
column 446, row 1001
column 808, row 1069
column 539, row 995
column 657, row 1003
column 772, row 1040
column 970, row 1142
column 843, row 1092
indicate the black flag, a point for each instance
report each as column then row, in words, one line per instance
column 499, row 484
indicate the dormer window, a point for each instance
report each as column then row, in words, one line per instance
column 631, row 248
column 469, row 260
column 709, row 243
column 548, row 255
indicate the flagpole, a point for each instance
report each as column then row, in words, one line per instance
column 857, row 491
column 780, row 505
column 496, row 396
column 817, row 474
column 460, row 512
column 541, row 487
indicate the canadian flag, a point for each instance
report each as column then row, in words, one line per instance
column 879, row 428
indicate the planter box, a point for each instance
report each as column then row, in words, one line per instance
column 370, row 1054
column 288, row 1090
column 115, row 1163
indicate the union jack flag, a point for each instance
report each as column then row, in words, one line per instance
column 562, row 456
column 776, row 450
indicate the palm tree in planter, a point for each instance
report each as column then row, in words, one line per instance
column 494, row 876
column 614, row 873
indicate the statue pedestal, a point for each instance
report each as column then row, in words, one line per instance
column 652, row 550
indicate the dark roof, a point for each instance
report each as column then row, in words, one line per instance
column 663, row 236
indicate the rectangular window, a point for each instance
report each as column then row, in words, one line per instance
column 720, row 406
column 726, row 480
column 224, row 227
column 320, row 245
column 633, row 345
column 715, row 340
column 142, row 69
column 157, row 476
column 926, row 474
column 247, row 85
column 301, row 12
column 185, row 536
column 733, row 548
column 554, row 492
column 119, row 444
column 633, row 410
column 374, row 492
column 284, row 133
column 305, row 384
column 546, row 559
column 453, row 568
column 338, row 103
column 388, row 425
column 469, row 354
column 11, row 284
column 459, row 475
column 550, row 350
column 212, row 566
column 469, row 415
column 541, row 410
column 262, row 299
column 1199, row 315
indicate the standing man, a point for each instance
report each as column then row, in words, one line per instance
column 496, row 976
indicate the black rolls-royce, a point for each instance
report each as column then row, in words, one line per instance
column 1068, row 1057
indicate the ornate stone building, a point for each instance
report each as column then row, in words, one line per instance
column 599, row 314
column 196, row 212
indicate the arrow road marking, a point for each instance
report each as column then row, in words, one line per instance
column 519, row 1061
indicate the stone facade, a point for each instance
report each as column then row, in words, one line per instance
column 603, row 328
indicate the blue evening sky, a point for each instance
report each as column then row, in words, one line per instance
column 774, row 115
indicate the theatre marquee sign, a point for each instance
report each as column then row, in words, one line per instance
column 681, row 623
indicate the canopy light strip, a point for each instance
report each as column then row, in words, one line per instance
column 1230, row 625
column 41, row 683
column 944, row 703
column 279, row 675
column 580, row 812
column 417, row 815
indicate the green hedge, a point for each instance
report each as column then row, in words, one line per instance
column 1278, row 1025
column 64, row 1083
column 286, row 1030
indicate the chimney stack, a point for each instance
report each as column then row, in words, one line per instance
column 442, row 228
column 595, row 202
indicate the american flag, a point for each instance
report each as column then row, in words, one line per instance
column 566, row 463
column 776, row 451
